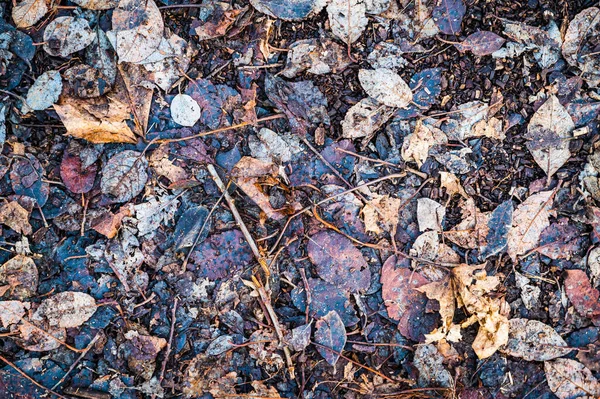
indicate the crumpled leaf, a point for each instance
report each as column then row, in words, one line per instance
column 66, row 309
column 274, row 148
column 533, row 340
column 44, row 92
column 430, row 214
column 21, row 276
column 338, row 261
column 529, row 220
column 443, row 292
column 386, row 87
column 289, row 10
column 387, row 55
column 302, row 102
column 141, row 351
column 76, row 178
column 473, row 230
column 548, row 133
column 416, row 146
column 185, row 110
column 347, row 19
column 584, row 297
column 580, row 44
column 569, row 379
column 158, row 210
column 448, row 15
column 451, row 183
column 530, row 294
column 13, row 215
column 499, row 225
column 168, row 62
column 316, row 56
column 215, row 18
column 67, row 35
column 545, row 42
column 96, row 4
column 432, row 372
column 26, row 176
column 481, row 43
column 473, row 119
column 28, row 12
column 381, row 211
column 331, row 333
column 124, row 176
column 137, row 30
column 108, row 224
column 364, row 119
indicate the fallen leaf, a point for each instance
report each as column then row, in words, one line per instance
column 481, row 43
column 448, row 15
column 426, row 87
column 584, row 297
column 28, row 12
column 364, row 119
column 386, row 87
column 26, row 177
column 338, row 261
column 215, row 18
column 77, row 179
column 472, row 231
column 381, row 211
column 21, row 275
column 330, row 333
column 432, row 372
column 289, row 10
column 159, row 210
column 96, row 4
column 570, row 379
column 274, row 148
column 137, row 30
column 535, row 341
column 548, row 133
column 44, row 92
column 443, row 292
column 387, row 55
column 67, row 35
column 450, row 182
column 499, row 225
column 185, row 110
column 530, row 294
column 347, row 19
column 133, row 88
column 108, row 224
column 579, row 47
column 11, row 312
column 300, row 337
column 529, row 220
column 168, row 62
column 66, row 309
column 101, row 55
column 221, row 255
column 140, row 351
column 85, row 81
column 416, row 146
column 560, row 240
column 430, row 214
column 124, row 176
column 316, row 56
column 13, row 215
column 545, row 42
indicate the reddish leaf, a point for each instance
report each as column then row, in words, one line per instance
column 582, row 295
column 76, row 178
column 338, row 261
column 330, row 333
column 481, row 43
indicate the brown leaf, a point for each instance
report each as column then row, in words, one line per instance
column 28, row 12
column 21, row 275
column 108, row 224
column 473, row 230
column 381, row 211
column 16, row 217
column 77, row 178
column 584, row 297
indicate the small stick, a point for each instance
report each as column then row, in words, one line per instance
column 87, row 349
column 18, row 370
column 168, row 351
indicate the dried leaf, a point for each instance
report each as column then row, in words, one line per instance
column 67, row 35
column 529, row 220
column 11, row 312
column 548, row 133
column 481, row 43
column 448, row 15
column 364, row 119
column 67, row 309
column 450, row 182
column 533, row 340
column 315, row 56
column 21, row 275
column 530, row 294
column 385, row 86
column 28, row 12
column 570, row 379
column 289, row 10
column 432, row 372
column 192, row 227
column 215, row 20
column 387, row 55
column 137, row 30
column 124, row 176
column 185, row 110
column 443, row 292
column 26, row 177
column 300, row 338
column 96, row 4
column 330, row 333
column 580, row 44
column 221, row 255
column 157, row 211
column 168, row 62
column 76, row 178
column 499, row 225
column 338, row 261
column 86, row 82
column 381, row 211
column 13, row 215
column 347, row 19
column 430, row 214
column 472, row 231
column 416, row 146
column 44, row 92
column 584, row 297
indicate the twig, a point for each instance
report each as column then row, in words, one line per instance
column 169, row 344
column 18, row 370
column 87, row 349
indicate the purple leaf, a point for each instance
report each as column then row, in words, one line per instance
column 481, row 43
column 448, row 15
column 330, row 333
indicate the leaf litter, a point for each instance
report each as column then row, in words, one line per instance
column 299, row 198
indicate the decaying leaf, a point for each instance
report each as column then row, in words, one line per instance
column 75, row 176
column 584, row 297
column 289, row 10
column 570, row 379
column 338, row 261
column 347, row 19
column 444, row 293
column 473, row 230
column 386, row 87
column 450, row 182
column 544, row 42
column 215, row 19
column 27, row 13
column 27, row 178
column 364, row 119
column 530, row 294
column 381, row 211
column 66, row 309
column 137, row 30
column 85, row 81
column 499, row 225
column 580, row 44
column 432, row 372
column 430, row 214
column 448, row 15
column 67, row 35
column 330, row 333
column 533, row 340
column 474, row 119
column 481, row 43
column 168, row 62
column 416, row 146
column 185, row 110
column 44, row 92
column 387, row 55
column 158, row 210
column 11, row 312
column 20, row 275
column 548, row 134
column 316, row 56
column 529, row 220
column 97, row 4
column 124, row 175
column 13, row 215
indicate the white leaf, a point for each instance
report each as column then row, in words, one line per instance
column 569, row 379
column 11, row 312
column 533, row 340
column 44, row 92
column 385, row 86
column 96, row 4
column 67, row 35
column 124, row 175
column 347, row 19
column 548, row 133
column 579, row 46
column 67, row 309
column 430, row 214
column 364, row 118
column 185, row 110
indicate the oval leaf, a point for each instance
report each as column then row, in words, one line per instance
column 28, row 12
column 569, row 379
column 67, row 309
column 67, row 35
column 481, row 43
column 448, row 15
column 185, row 110
column 533, row 340
column 331, row 334
column 124, row 176
column 44, row 92
column 385, row 86
column 77, row 179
